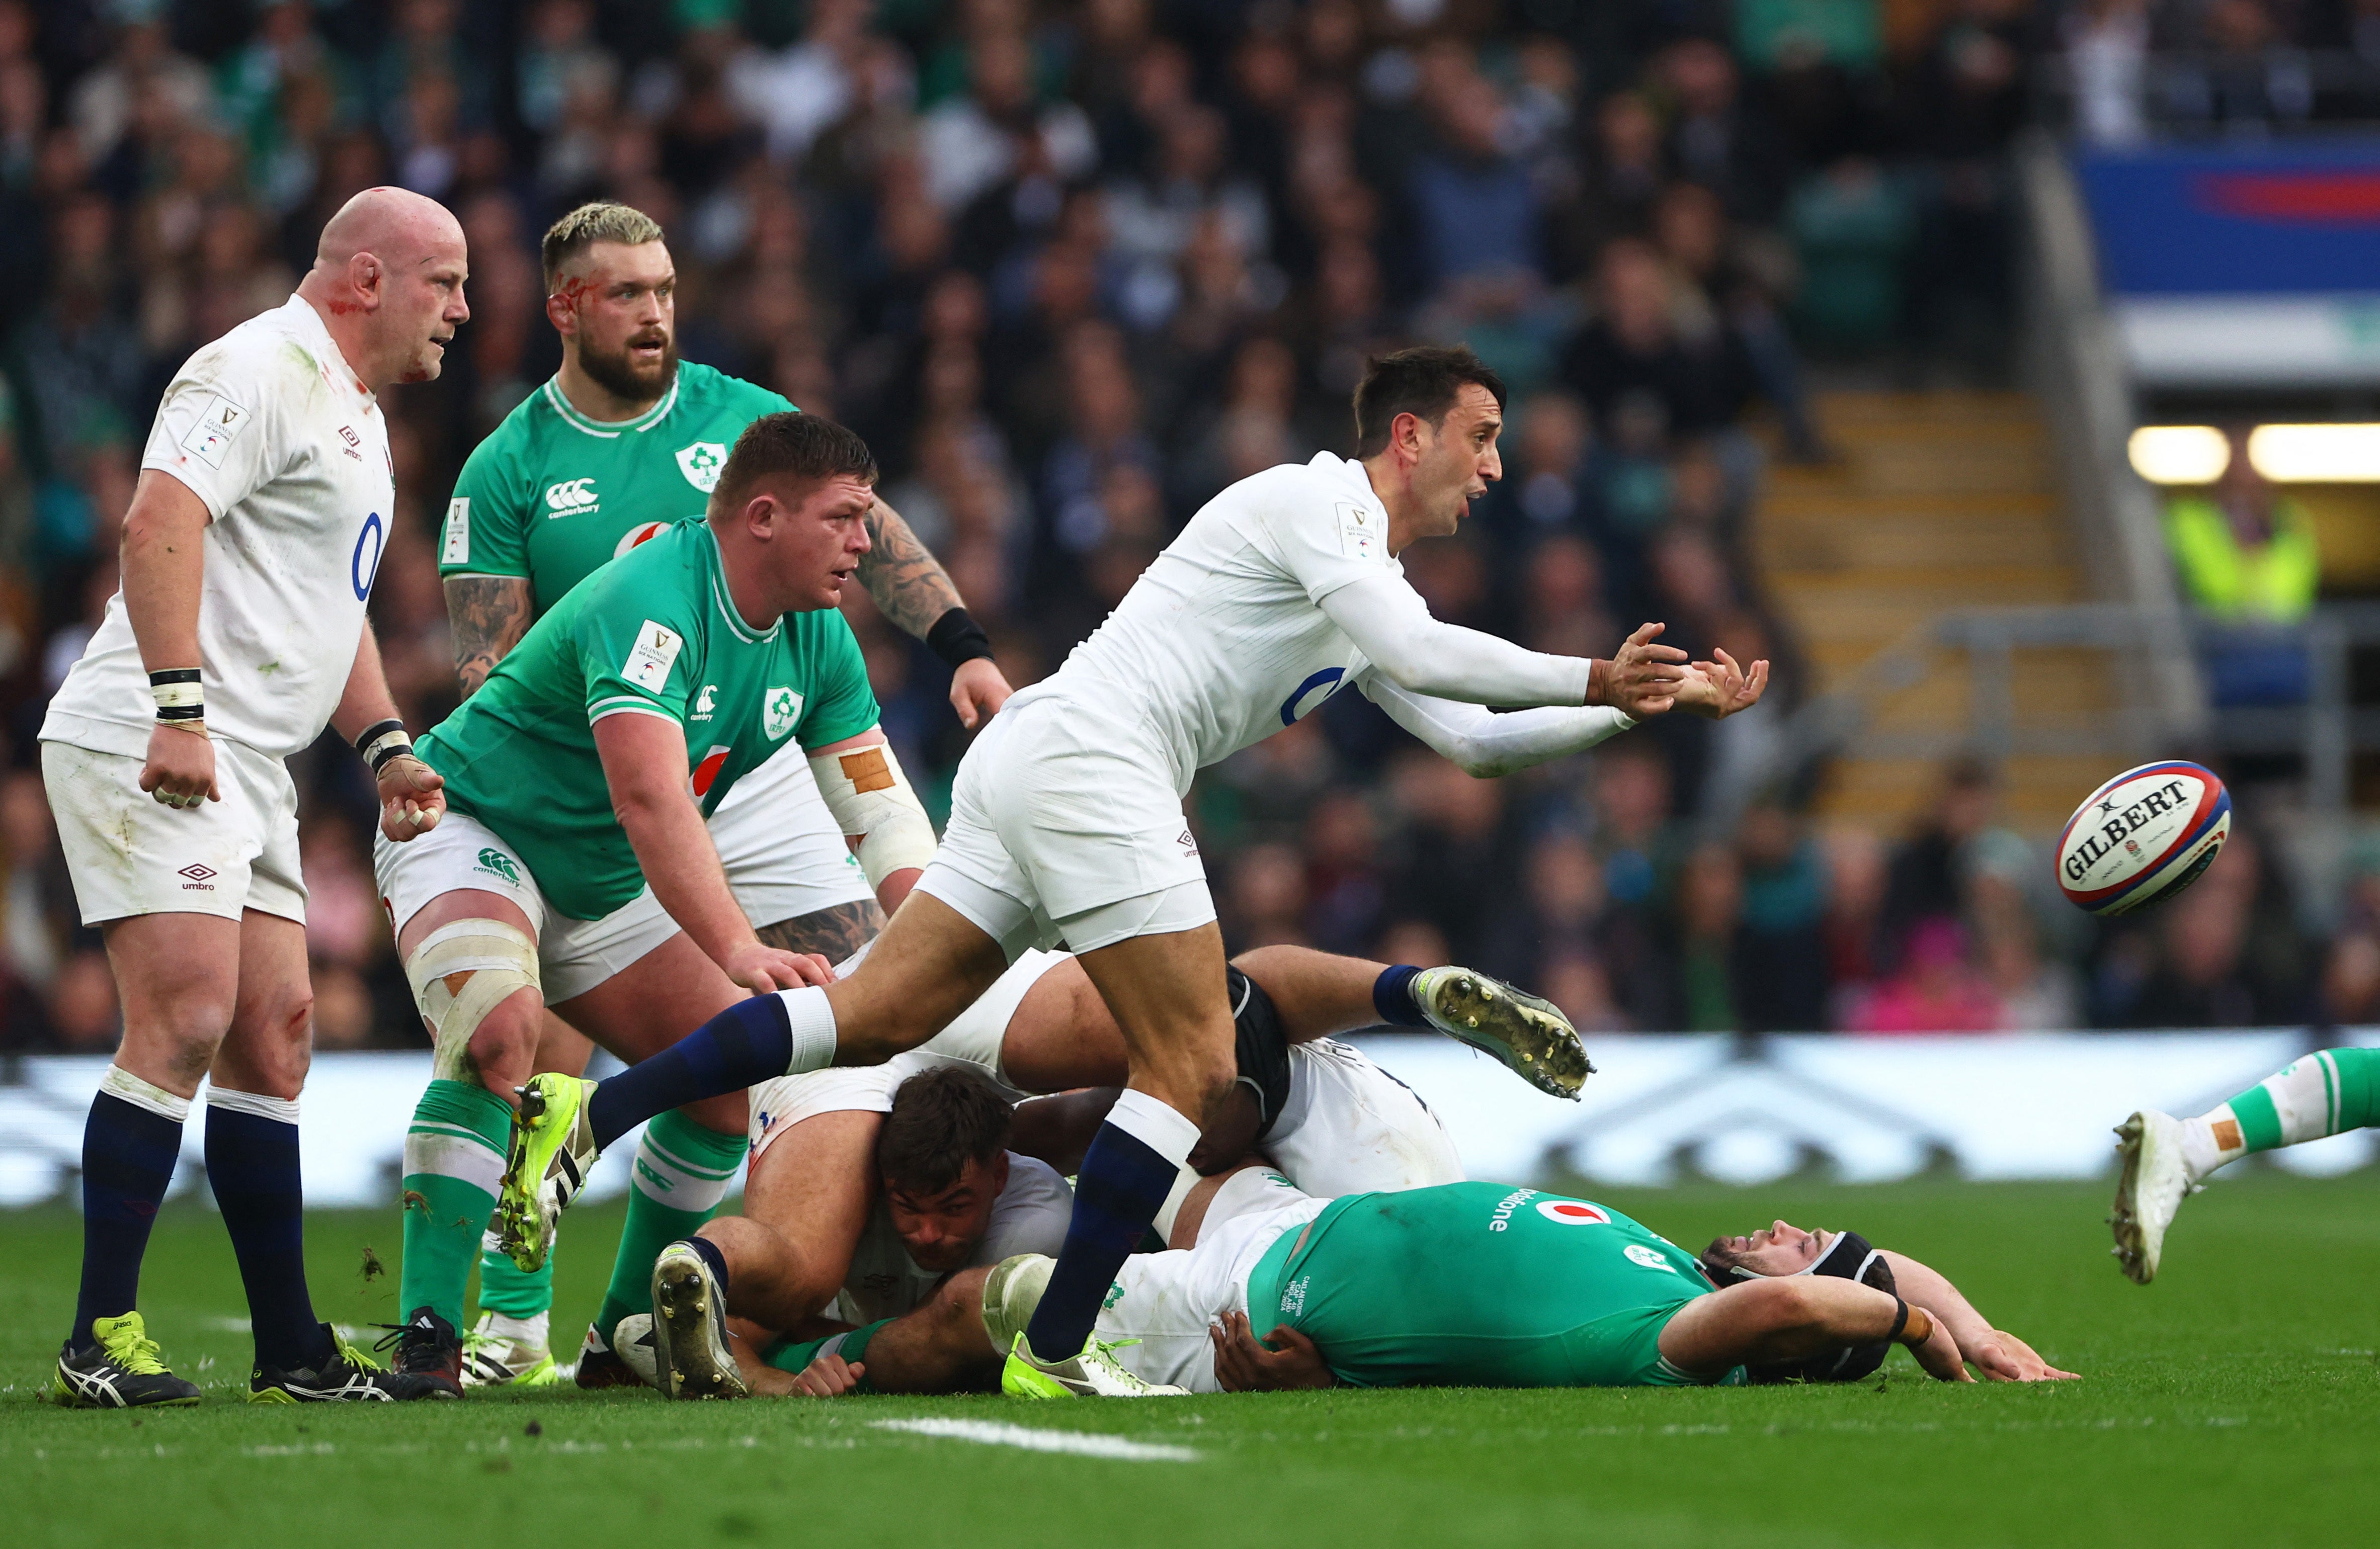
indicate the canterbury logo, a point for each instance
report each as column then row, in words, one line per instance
column 571, row 494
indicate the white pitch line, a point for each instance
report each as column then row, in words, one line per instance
column 1081, row 1444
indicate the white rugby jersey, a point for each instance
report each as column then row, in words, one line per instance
column 1222, row 640
column 1030, row 1216
column 272, row 429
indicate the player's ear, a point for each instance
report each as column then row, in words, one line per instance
column 364, row 274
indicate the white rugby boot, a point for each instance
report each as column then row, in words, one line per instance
column 2156, row 1180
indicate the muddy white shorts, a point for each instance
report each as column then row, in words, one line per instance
column 573, row 956
column 1060, row 831
column 130, row 853
column 1166, row 1300
column 783, row 852
column 1348, row 1127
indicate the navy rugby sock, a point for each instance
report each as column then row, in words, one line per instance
column 128, row 1149
column 1126, row 1174
column 1392, row 996
column 252, row 1168
column 750, row 1042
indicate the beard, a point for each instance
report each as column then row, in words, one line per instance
column 620, row 375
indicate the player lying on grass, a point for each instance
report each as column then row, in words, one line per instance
column 810, row 1236
column 620, row 444
column 1066, row 819
column 1476, row 1285
column 575, row 868
column 2166, row 1159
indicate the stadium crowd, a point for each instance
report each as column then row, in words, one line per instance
column 1072, row 268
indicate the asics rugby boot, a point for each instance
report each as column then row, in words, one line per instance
column 1530, row 1036
column 347, row 1375
column 691, row 1356
column 118, row 1370
column 552, row 1151
column 2156, row 1180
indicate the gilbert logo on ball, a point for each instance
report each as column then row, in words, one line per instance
column 2144, row 835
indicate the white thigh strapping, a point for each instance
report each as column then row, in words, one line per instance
column 975, row 1036
column 1350, row 1127
column 777, row 1106
column 574, row 956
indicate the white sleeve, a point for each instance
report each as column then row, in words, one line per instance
column 1482, row 743
column 216, row 432
column 1031, row 1214
column 1390, row 625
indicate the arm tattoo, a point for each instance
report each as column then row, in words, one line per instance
column 833, row 933
column 488, row 614
column 909, row 585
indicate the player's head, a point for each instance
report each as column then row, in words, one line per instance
column 611, row 291
column 942, row 1157
column 1427, row 418
column 389, row 272
column 791, row 507
column 1780, row 1250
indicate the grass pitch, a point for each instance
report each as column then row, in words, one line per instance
column 2236, row 1401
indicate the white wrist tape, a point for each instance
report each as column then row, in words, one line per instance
column 873, row 801
column 498, row 960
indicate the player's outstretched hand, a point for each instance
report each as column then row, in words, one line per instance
column 1718, row 689
column 180, row 770
column 2002, row 1357
column 1244, row 1365
column 977, row 690
column 1940, row 1355
column 411, row 800
column 763, row 970
column 1641, row 678
column 829, row 1376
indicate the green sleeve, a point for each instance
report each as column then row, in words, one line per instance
column 840, row 704
column 636, row 656
column 486, row 531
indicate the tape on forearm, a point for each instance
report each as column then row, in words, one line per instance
column 181, row 702
column 873, row 801
column 383, row 741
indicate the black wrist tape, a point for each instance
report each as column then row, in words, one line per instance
column 958, row 639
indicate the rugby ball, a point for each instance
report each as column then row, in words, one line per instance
column 2144, row 835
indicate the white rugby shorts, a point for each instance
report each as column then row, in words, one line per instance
column 784, row 853
column 573, row 956
column 1165, row 1301
column 1348, row 1127
column 1062, row 830
column 130, row 853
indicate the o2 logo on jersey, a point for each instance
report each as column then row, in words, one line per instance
column 643, row 532
column 360, row 572
column 706, row 773
column 1303, row 699
column 1573, row 1213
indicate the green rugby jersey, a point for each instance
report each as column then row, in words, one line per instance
column 551, row 494
column 654, row 634
column 1479, row 1284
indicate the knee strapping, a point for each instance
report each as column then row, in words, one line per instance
column 498, row 960
column 1011, row 1293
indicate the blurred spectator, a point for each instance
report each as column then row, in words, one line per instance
column 2248, row 561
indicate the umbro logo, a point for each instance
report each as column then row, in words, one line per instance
column 201, row 878
column 570, row 497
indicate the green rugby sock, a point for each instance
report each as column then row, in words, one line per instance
column 505, row 1288
column 454, row 1164
column 680, row 1175
column 792, row 1355
column 2325, row 1094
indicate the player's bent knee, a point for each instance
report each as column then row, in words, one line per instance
column 466, row 977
